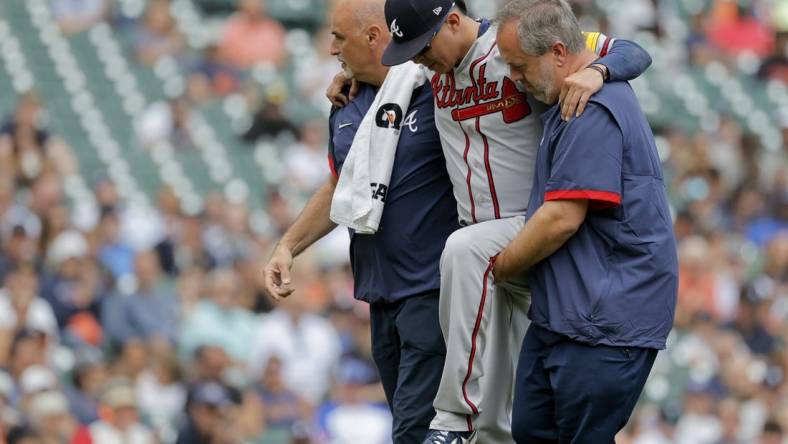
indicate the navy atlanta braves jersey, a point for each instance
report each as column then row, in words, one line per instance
column 615, row 281
column 420, row 212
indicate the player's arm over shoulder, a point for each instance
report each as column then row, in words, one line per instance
column 624, row 59
column 598, row 42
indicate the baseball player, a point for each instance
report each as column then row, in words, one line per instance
column 395, row 270
column 490, row 131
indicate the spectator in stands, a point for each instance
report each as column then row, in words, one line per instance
column 114, row 254
column 72, row 284
column 211, row 76
column 28, row 349
column 347, row 417
column 21, row 307
column 307, row 344
column 653, row 428
column 119, row 423
column 698, row 424
column 634, row 16
column 230, row 239
column 132, row 359
column 730, row 420
column 219, row 320
column 280, row 213
column 89, row 377
column 23, row 435
column 75, row 16
column 182, row 249
column 27, row 149
column 150, row 312
column 20, row 231
column 9, row 416
column 207, row 415
column 49, row 413
column 253, row 296
column 752, row 325
column 735, row 29
column 748, row 206
column 775, row 265
column 162, row 394
column 772, row 433
column 251, row 37
column 208, row 364
column 318, row 70
column 88, row 292
column 700, row 52
column 46, row 192
column 55, row 220
column 306, row 159
column 698, row 283
column 283, row 407
column 775, row 66
column 269, row 121
column 33, row 380
column 166, row 122
column 211, row 364
column 157, row 36
column 105, row 191
column 189, row 285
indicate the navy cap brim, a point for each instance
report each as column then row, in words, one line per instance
column 397, row 53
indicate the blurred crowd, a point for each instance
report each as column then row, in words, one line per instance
column 122, row 325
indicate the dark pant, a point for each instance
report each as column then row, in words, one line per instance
column 569, row 392
column 409, row 351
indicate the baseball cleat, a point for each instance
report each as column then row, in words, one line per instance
column 447, row 437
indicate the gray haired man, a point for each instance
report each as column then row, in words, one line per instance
column 597, row 242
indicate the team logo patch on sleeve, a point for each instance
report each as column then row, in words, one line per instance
column 389, row 116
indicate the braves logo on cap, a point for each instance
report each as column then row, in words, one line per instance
column 395, row 29
column 412, row 23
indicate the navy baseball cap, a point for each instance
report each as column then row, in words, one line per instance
column 413, row 24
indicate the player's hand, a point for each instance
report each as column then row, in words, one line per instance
column 334, row 91
column 277, row 273
column 577, row 90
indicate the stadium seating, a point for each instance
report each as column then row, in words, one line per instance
column 94, row 86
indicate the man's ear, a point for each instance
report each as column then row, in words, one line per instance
column 559, row 51
column 374, row 35
column 453, row 21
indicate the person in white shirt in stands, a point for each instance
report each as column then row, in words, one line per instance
column 120, row 421
column 307, row 344
column 21, row 307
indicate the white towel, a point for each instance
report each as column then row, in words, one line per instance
column 364, row 180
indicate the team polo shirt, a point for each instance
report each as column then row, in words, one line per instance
column 402, row 258
column 615, row 281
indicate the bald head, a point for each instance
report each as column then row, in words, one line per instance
column 360, row 37
column 369, row 12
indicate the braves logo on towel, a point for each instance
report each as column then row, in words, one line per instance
column 389, row 116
